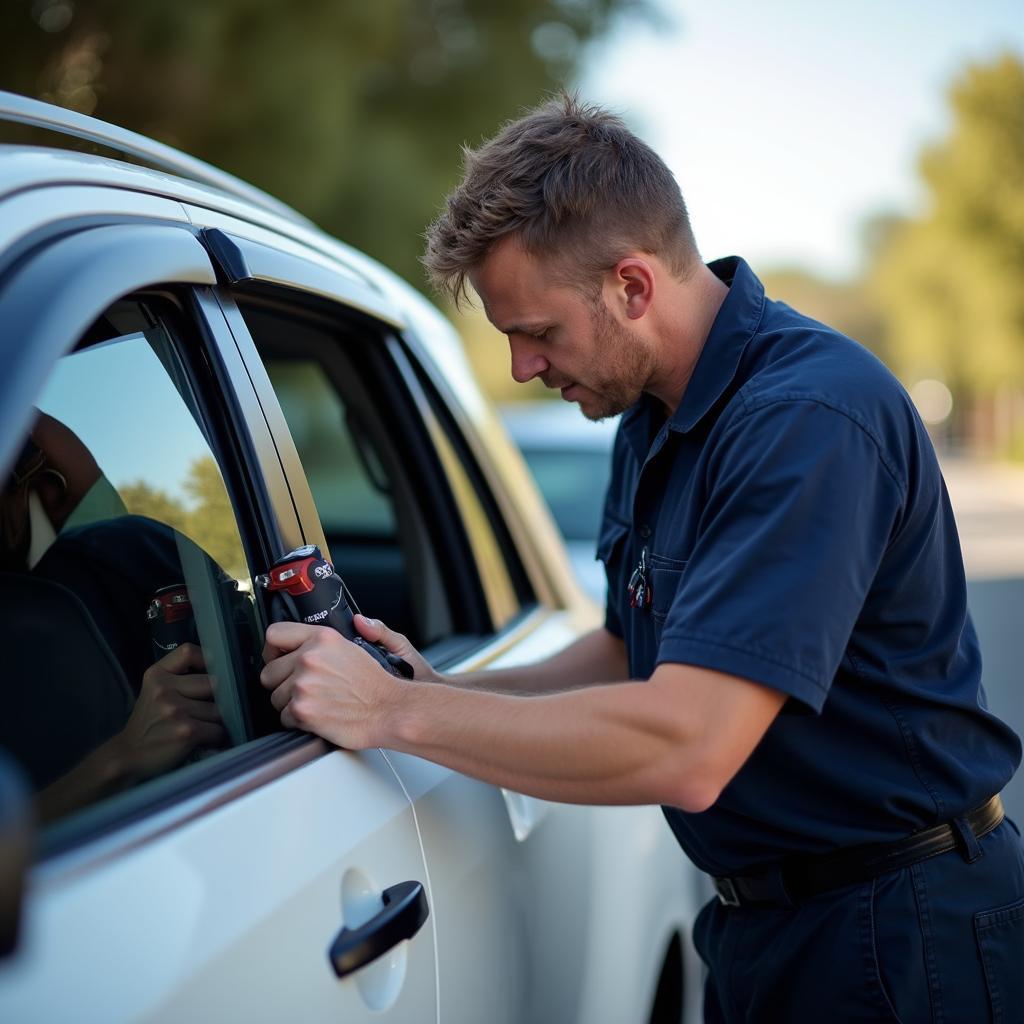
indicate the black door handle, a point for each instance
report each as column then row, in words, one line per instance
column 405, row 910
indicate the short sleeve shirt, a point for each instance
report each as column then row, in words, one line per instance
column 796, row 532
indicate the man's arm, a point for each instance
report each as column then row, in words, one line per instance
column 676, row 739
column 597, row 657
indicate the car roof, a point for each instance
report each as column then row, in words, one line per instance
column 186, row 179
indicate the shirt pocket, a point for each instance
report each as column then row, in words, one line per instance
column 666, row 575
column 1000, row 935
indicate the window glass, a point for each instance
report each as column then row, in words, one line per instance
column 348, row 482
column 125, row 580
column 389, row 519
column 380, row 551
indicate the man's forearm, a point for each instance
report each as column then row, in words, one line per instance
column 677, row 738
column 596, row 658
column 610, row 744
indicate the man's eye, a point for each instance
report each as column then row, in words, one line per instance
column 542, row 335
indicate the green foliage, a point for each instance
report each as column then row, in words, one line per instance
column 354, row 113
column 141, row 499
column 847, row 306
column 209, row 520
column 949, row 282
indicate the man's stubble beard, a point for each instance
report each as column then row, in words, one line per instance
column 622, row 366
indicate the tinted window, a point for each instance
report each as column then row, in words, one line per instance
column 126, row 594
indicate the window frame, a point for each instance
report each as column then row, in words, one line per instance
column 80, row 268
column 400, row 392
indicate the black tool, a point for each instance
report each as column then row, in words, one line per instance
column 305, row 588
column 171, row 622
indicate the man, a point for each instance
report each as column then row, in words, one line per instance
column 788, row 662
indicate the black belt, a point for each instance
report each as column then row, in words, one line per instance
column 799, row 878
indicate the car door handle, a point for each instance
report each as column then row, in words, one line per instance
column 404, row 912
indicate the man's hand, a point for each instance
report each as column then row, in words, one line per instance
column 174, row 715
column 323, row 683
column 376, row 632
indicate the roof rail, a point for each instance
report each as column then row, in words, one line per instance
column 24, row 110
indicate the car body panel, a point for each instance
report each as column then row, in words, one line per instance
column 187, row 921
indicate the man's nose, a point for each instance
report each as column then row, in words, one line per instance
column 527, row 362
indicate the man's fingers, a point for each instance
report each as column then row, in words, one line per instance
column 280, row 697
column 195, row 687
column 375, row 631
column 184, row 658
column 201, row 710
column 274, row 673
column 283, row 637
column 288, row 719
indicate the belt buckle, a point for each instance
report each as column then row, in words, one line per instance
column 727, row 894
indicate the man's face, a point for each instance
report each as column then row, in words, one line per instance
column 568, row 340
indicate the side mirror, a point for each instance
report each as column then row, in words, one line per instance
column 15, row 849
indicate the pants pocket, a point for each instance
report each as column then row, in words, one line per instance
column 898, row 963
column 1000, row 935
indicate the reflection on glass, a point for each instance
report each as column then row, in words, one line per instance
column 126, row 587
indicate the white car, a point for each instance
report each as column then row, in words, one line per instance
column 210, row 382
column 570, row 459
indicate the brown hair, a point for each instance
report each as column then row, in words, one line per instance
column 572, row 182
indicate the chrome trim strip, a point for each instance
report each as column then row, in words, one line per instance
column 37, row 114
column 502, row 602
column 482, row 656
column 540, row 546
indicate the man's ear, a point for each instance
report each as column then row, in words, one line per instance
column 632, row 283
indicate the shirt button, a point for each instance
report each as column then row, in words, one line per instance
column 645, row 531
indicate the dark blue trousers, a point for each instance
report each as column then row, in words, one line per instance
column 941, row 941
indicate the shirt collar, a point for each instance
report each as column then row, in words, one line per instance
column 734, row 326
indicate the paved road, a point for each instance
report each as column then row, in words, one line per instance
column 988, row 501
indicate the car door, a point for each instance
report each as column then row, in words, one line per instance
column 394, row 498
column 212, row 881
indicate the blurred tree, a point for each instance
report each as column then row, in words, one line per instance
column 209, row 521
column 845, row 305
column 949, row 282
column 352, row 112
column 142, row 499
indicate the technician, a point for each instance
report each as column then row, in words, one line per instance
column 787, row 660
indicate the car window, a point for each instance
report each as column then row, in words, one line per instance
column 126, row 593
column 394, row 529
column 349, row 483
column 573, row 481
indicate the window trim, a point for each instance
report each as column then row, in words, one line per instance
column 503, row 603
column 169, row 798
column 242, row 261
column 462, row 577
column 76, row 842
column 78, row 276
column 49, row 296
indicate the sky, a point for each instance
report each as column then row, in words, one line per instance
column 788, row 122
column 153, row 436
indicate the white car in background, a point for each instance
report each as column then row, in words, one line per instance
column 230, row 383
column 569, row 457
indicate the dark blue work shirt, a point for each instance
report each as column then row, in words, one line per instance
column 799, row 535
